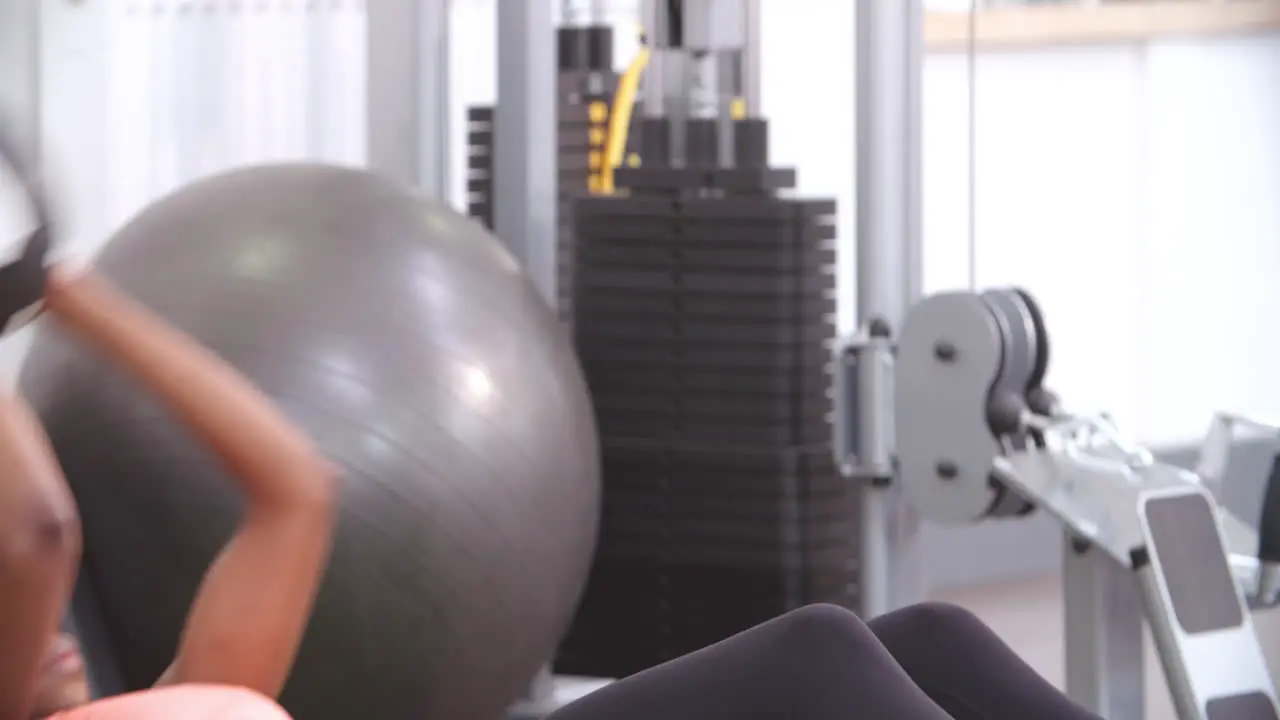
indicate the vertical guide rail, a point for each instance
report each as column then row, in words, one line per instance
column 525, row 178
column 20, row 67
column 525, row 166
column 888, row 72
column 407, row 92
column 524, row 124
column 751, row 50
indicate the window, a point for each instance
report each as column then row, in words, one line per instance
column 1022, row 23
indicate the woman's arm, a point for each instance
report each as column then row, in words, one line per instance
column 249, row 615
column 39, row 551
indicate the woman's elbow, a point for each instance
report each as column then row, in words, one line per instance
column 319, row 485
column 311, row 487
column 40, row 537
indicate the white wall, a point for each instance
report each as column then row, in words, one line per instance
column 138, row 98
column 1132, row 189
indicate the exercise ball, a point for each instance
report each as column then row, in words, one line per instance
column 406, row 340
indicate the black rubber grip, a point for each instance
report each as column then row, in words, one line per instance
column 1269, row 523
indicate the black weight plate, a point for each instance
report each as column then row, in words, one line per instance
column 681, row 232
column 765, row 381
column 819, row 261
column 767, row 396
column 743, row 210
column 723, row 492
column 655, row 426
column 816, row 302
column 792, row 460
column 729, row 408
column 623, row 208
column 731, row 411
column 673, row 330
column 761, row 180
column 704, row 356
column 648, row 507
column 738, row 551
column 737, row 545
column 813, row 499
column 758, row 284
column 727, row 250
column 751, row 208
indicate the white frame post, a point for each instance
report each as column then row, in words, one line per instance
column 888, row 73
column 407, row 92
column 525, row 177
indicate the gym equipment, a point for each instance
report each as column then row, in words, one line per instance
column 22, row 277
column 703, row 301
column 979, row 436
column 585, row 84
column 408, row 343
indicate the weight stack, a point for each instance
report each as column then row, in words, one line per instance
column 586, row 83
column 705, row 312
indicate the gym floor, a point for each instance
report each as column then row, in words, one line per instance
column 1028, row 615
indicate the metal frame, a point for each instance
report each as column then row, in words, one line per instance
column 1103, row 623
column 981, row 438
column 407, row 92
column 888, row 163
column 525, row 179
column 20, row 65
column 888, row 71
column 1105, row 613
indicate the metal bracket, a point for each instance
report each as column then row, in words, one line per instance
column 1254, row 557
column 864, row 405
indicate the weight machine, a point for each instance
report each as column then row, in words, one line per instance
column 976, row 435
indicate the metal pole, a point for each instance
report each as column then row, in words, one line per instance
column 524, row 127
column 1105, row 652
column 20, row 66
column 407, row 92
column 888, row 82
column 751, row 51
column 525, row 169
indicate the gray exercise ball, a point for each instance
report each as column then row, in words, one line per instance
column 406, row 340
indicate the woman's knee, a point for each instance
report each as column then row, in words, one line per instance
column 812, row 627
column 931, row 629
column 942, row 617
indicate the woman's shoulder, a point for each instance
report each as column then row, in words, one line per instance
column 181, row 702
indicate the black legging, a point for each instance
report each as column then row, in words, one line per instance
column 927, row 662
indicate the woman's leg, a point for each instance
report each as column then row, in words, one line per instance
column 817, row 663
column 967, row 669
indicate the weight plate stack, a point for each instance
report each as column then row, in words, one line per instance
column 706, row 320
column 704, row 315
column 684, row 561
column 480, row 164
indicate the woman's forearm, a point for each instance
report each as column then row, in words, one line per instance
column 39, row 551
column 273, row 459
column 35, row 572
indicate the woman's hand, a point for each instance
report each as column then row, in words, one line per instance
column 61, row 282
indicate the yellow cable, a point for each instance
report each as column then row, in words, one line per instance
column 624, row 103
